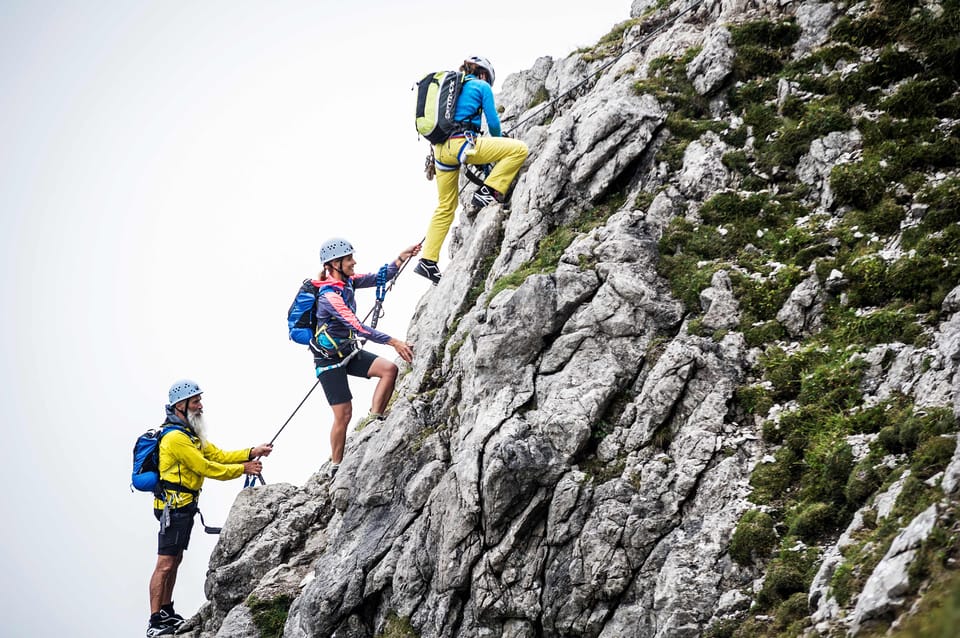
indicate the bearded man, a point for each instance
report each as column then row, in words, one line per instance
column 186, row 458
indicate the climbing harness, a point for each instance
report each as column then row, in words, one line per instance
column 382, row 288
column 477, row 173
column 168, row 487
column 327, row 347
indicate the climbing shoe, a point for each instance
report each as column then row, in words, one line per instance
column 367, row 420
column 332, row 470
column 160, row 626
column 167, row 613
column 428, row 268
column 485, row 196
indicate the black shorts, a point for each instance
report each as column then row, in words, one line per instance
column 334, row 381
column 175, row 538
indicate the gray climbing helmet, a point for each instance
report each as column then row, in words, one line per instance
column 183, row 389
column 484, row 64
column 335, row 248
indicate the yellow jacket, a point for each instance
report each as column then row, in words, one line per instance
column 184, row 461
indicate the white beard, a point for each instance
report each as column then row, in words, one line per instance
column 195, row 419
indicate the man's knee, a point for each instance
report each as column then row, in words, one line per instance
column 168, row 564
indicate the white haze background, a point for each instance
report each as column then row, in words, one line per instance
column 167, row 173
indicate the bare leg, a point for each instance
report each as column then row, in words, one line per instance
column 162, row 582
column 171, row 582
column 387, row 372
column 342, row 413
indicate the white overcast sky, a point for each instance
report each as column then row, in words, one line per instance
column 168, row 171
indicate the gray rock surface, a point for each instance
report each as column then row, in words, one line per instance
column 802, row 314
column 703, row 172
column 951, row 475
column 825, row 153
column 713, row 64
column 720, row 308
column 524, row 96
column 889, row 581
column 567, row 455
column 814, row 20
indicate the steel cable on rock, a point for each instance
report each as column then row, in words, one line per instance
column 643, row 40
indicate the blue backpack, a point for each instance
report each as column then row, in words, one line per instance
column 146, row 458
column 302, row 316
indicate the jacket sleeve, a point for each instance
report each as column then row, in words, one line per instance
column 490, row 109
column 211, row 463
column 369, row 280
column 336, row 307
column 215, row 454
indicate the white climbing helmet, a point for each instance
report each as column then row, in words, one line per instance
column 183, row 389
column 484, row 64
column 335, row 248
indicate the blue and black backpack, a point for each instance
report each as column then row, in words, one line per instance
column 302, row 316
column 146, row 458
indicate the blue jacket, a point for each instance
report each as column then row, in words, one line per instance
column 474, row 95
column 338, row 308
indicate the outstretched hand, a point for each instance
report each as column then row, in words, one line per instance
column 261, row 450
column 409, row 252
column 403, row 349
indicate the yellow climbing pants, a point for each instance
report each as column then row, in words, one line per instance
column 508, row 154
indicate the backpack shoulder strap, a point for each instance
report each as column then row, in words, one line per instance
column 168, row 427
column 329, row 288
column 169, row 485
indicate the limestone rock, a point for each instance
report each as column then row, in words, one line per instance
column 703, row 172
column 638, row 7
column 713, row 64
column 567, row 455
column 826, row 152
column 802, row 314
column 523, row 95
column 888, row 583
column 814, row 20
column 238, row 624
column 951, row 475
column 720, row 307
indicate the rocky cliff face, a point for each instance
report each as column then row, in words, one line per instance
column 698, row 380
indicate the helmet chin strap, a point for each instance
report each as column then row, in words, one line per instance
column 338, row 269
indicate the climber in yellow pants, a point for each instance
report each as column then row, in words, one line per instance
column 469, row 147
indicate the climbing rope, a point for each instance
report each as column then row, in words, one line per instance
column 383, row 287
